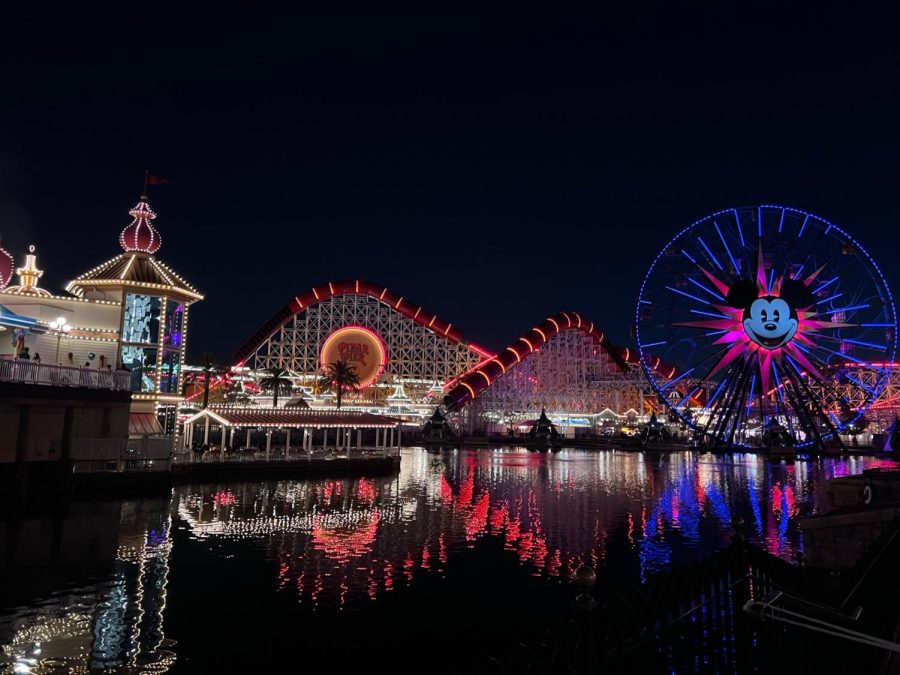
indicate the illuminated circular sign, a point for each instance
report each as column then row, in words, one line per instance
column 360, row 347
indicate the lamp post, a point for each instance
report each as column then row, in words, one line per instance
column 59, row 327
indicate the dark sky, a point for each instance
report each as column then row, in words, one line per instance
column 494, row 164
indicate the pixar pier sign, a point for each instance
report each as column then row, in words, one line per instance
column 360, row 347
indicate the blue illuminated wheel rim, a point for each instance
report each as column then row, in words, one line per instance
column 766, row 325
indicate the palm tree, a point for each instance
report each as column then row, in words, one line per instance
column 276, row 381
column 338, row 377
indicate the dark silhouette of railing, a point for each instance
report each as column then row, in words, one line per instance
column 693, row 620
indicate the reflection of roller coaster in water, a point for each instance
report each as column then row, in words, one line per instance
column 348, row 540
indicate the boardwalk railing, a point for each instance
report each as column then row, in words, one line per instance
column 276, row 455
column 694, row 620
column 31, row 372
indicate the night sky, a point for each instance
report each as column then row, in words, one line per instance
column 493, row 164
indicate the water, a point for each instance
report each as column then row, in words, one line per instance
column 460, row 555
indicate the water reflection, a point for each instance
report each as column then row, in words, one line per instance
column 85, row 588
column 355, row 539
column 92, row 583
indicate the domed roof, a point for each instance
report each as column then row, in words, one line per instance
column 137, row 267
column 7, row 267
column 140, row 235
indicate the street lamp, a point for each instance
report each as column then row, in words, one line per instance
column 59, row 327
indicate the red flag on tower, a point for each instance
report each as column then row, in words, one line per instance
column 157, row 180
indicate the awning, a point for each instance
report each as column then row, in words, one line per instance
column 141, row 424
column 297, row 418
column 10, row 319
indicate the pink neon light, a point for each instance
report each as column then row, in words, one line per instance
column 382, row 361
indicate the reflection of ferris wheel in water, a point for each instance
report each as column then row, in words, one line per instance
column 766, row 326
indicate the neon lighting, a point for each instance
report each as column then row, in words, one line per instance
column 430, row 323
column 687, row 398
column 316, row 293
column 727, row 250
column 778, row 382
column 591, row 328
column 714, row 258
column 846, row 309
column 688, row 295
column 471, row 391
column 541, row 332
column 416, row 315
column 484, row 375
column 551, row 320
column 357, row 285
column 809, row 327
column 331, row 288
column 627, row 353
column 865, row 344
column 715, row 394
column 518, row 358
column 397, row 306
column 824, row 286
column 381, row 297
column 499, row 363
column 653, row 344
column 737, row 219
column 689, row 256
column 363, row 338
column 752, row 392
column 671, row 382
column 449, row 326
column 578, row 316
column 525, row 340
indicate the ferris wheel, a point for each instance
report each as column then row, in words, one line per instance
column 766, row 325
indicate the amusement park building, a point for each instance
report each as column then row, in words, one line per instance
column 123, row 323
column 411, row 360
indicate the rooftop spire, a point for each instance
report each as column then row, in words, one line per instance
column 140, row 235
column 29, row 275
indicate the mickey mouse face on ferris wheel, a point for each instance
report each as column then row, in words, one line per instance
column 770, row 321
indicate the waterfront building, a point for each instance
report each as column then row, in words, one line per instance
column 119, row 328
